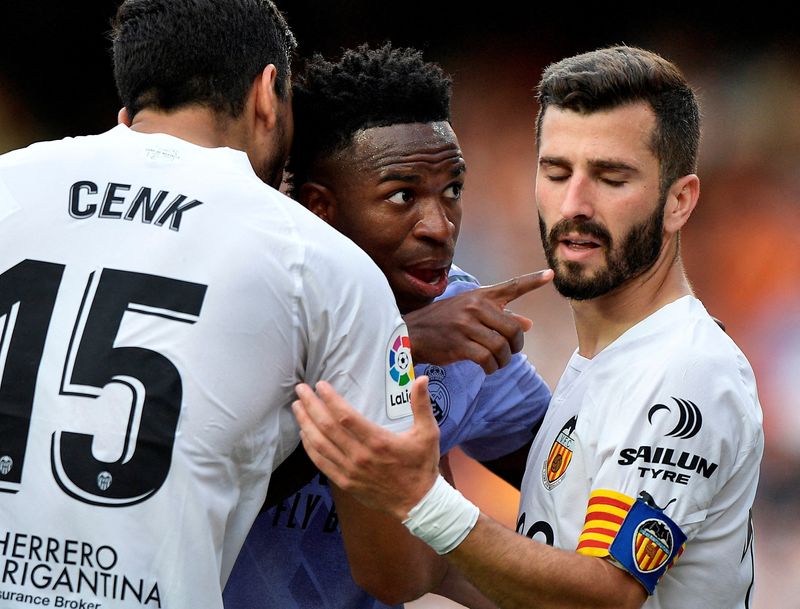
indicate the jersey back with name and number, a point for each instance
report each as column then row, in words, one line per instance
column 158, row 305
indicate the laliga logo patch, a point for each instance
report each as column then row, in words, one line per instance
column 690, row 420
column 399, row 374
column 400, row 367
column 440, row 397
column 652, row 545
column 560, row 456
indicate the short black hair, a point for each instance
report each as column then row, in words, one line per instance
column 367, row 87
column 613, row 76
column 173, row 53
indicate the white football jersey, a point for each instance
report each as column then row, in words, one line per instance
column 158, row 305
column 649, row 454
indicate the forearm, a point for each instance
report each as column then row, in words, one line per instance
column 517, row 572
column 458, row 588
column 385, row 559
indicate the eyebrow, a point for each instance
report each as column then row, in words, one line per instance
column 602, row 164
column 614, row 165
column 412, row 178
column 399, row 177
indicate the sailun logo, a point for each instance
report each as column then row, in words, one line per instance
column 690, row 419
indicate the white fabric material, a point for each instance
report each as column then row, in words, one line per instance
column 669, row 408
column 175, row 272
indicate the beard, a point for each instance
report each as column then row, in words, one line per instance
column 637, row 252
column 271, row 171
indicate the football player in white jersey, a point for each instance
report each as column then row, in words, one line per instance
column 159, row 303
column 375, row 155
column 639, row 486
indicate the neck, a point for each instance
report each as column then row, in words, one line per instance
column 195, row 124
column 600, row 321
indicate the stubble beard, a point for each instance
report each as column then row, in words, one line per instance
column 638, row 252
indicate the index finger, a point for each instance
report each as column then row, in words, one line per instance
column 513, row 288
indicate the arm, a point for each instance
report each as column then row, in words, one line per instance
column 392, row 472
column 474, row 325
column 415, row 568
column 511, row 405
column 516, row 572
column 458, row 588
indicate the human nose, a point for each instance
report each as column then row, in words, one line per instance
column 578, row 198
column 435, row 223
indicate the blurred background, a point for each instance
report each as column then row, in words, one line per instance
column 741, row 248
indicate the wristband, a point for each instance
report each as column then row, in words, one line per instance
column 443, row 517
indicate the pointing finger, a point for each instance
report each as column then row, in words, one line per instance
column 524, row 322
column 512, row 289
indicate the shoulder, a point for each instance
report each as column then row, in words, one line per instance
column 40, row 151
column 687, row 366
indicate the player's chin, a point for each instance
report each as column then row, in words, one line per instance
column 408, row 301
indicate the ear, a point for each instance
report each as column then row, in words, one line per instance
column 681, row 200
column 123, row 118
column 266, row 97
column 319, row 200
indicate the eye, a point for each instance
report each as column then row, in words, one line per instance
column 555, row 173
column 613, row 183
column 400, row 197
column 454, row 191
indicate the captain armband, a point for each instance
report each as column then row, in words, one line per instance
column 443, row 517
column 647, row 544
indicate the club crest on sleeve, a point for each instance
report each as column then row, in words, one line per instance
column 647, row 543
column 652, row 545
column 560, row 455
column 440, row 396
column 399, row 374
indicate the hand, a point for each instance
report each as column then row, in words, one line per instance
column 473, row 325
column 383, row 470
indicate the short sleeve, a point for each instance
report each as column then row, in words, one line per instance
column 357, row 339
column 510, row 407
column 663, row 452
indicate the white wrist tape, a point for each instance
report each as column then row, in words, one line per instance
column 443, row 517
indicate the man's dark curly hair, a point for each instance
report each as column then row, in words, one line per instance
column 367, row 87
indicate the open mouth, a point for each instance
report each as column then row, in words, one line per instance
column 580, row 244
column 430, row 282
column 430, row 276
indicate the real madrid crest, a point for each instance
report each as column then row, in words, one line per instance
column 440, row 396
column 560, row 456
